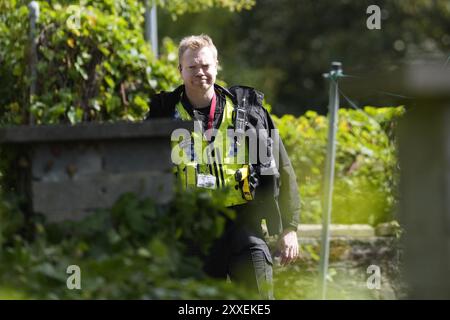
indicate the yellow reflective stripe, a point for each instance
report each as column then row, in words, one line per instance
column 190, row 176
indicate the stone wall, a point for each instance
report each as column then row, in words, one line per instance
column 70, row 171
column 353, row 248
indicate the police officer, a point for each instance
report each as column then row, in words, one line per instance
column 241, row 253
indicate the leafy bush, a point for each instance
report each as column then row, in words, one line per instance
column 178, row 7
column 99, row 69
column 366, row 172
column 136, row 250
column 93, row 62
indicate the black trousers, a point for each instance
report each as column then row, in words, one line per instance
column 242, row 254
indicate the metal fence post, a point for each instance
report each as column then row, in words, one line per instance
column 34, row 17
column 151, row 25
column 335, row 73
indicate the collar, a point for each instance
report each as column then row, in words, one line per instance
column 179, row 91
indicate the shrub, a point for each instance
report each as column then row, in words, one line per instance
column 135, row 250
column 366, row 172
column 98, row 70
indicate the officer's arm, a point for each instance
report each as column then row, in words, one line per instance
column 289, row 199
column 289, row 194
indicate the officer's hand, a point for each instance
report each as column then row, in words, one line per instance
column 288, row 245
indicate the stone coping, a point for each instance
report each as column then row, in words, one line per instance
column 337, row 230
column 92, row 131
column 351, row 231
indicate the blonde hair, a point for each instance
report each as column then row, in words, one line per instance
column 195, row 43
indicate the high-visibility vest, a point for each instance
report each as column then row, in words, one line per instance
column 219, row 158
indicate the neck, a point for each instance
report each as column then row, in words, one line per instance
column 200, row 99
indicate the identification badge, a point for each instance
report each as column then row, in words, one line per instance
column 207, row 181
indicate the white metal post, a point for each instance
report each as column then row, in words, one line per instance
column 335, row 73
column 151, row 25
column 34, row 17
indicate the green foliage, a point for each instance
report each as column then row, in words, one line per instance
column 136, row 250
column 283, row 47
column 11, row 219
column 366, row 173
column 301, row 281
column 179, row 7
column 93, row 63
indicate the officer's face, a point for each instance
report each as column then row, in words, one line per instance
column 198, row 69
